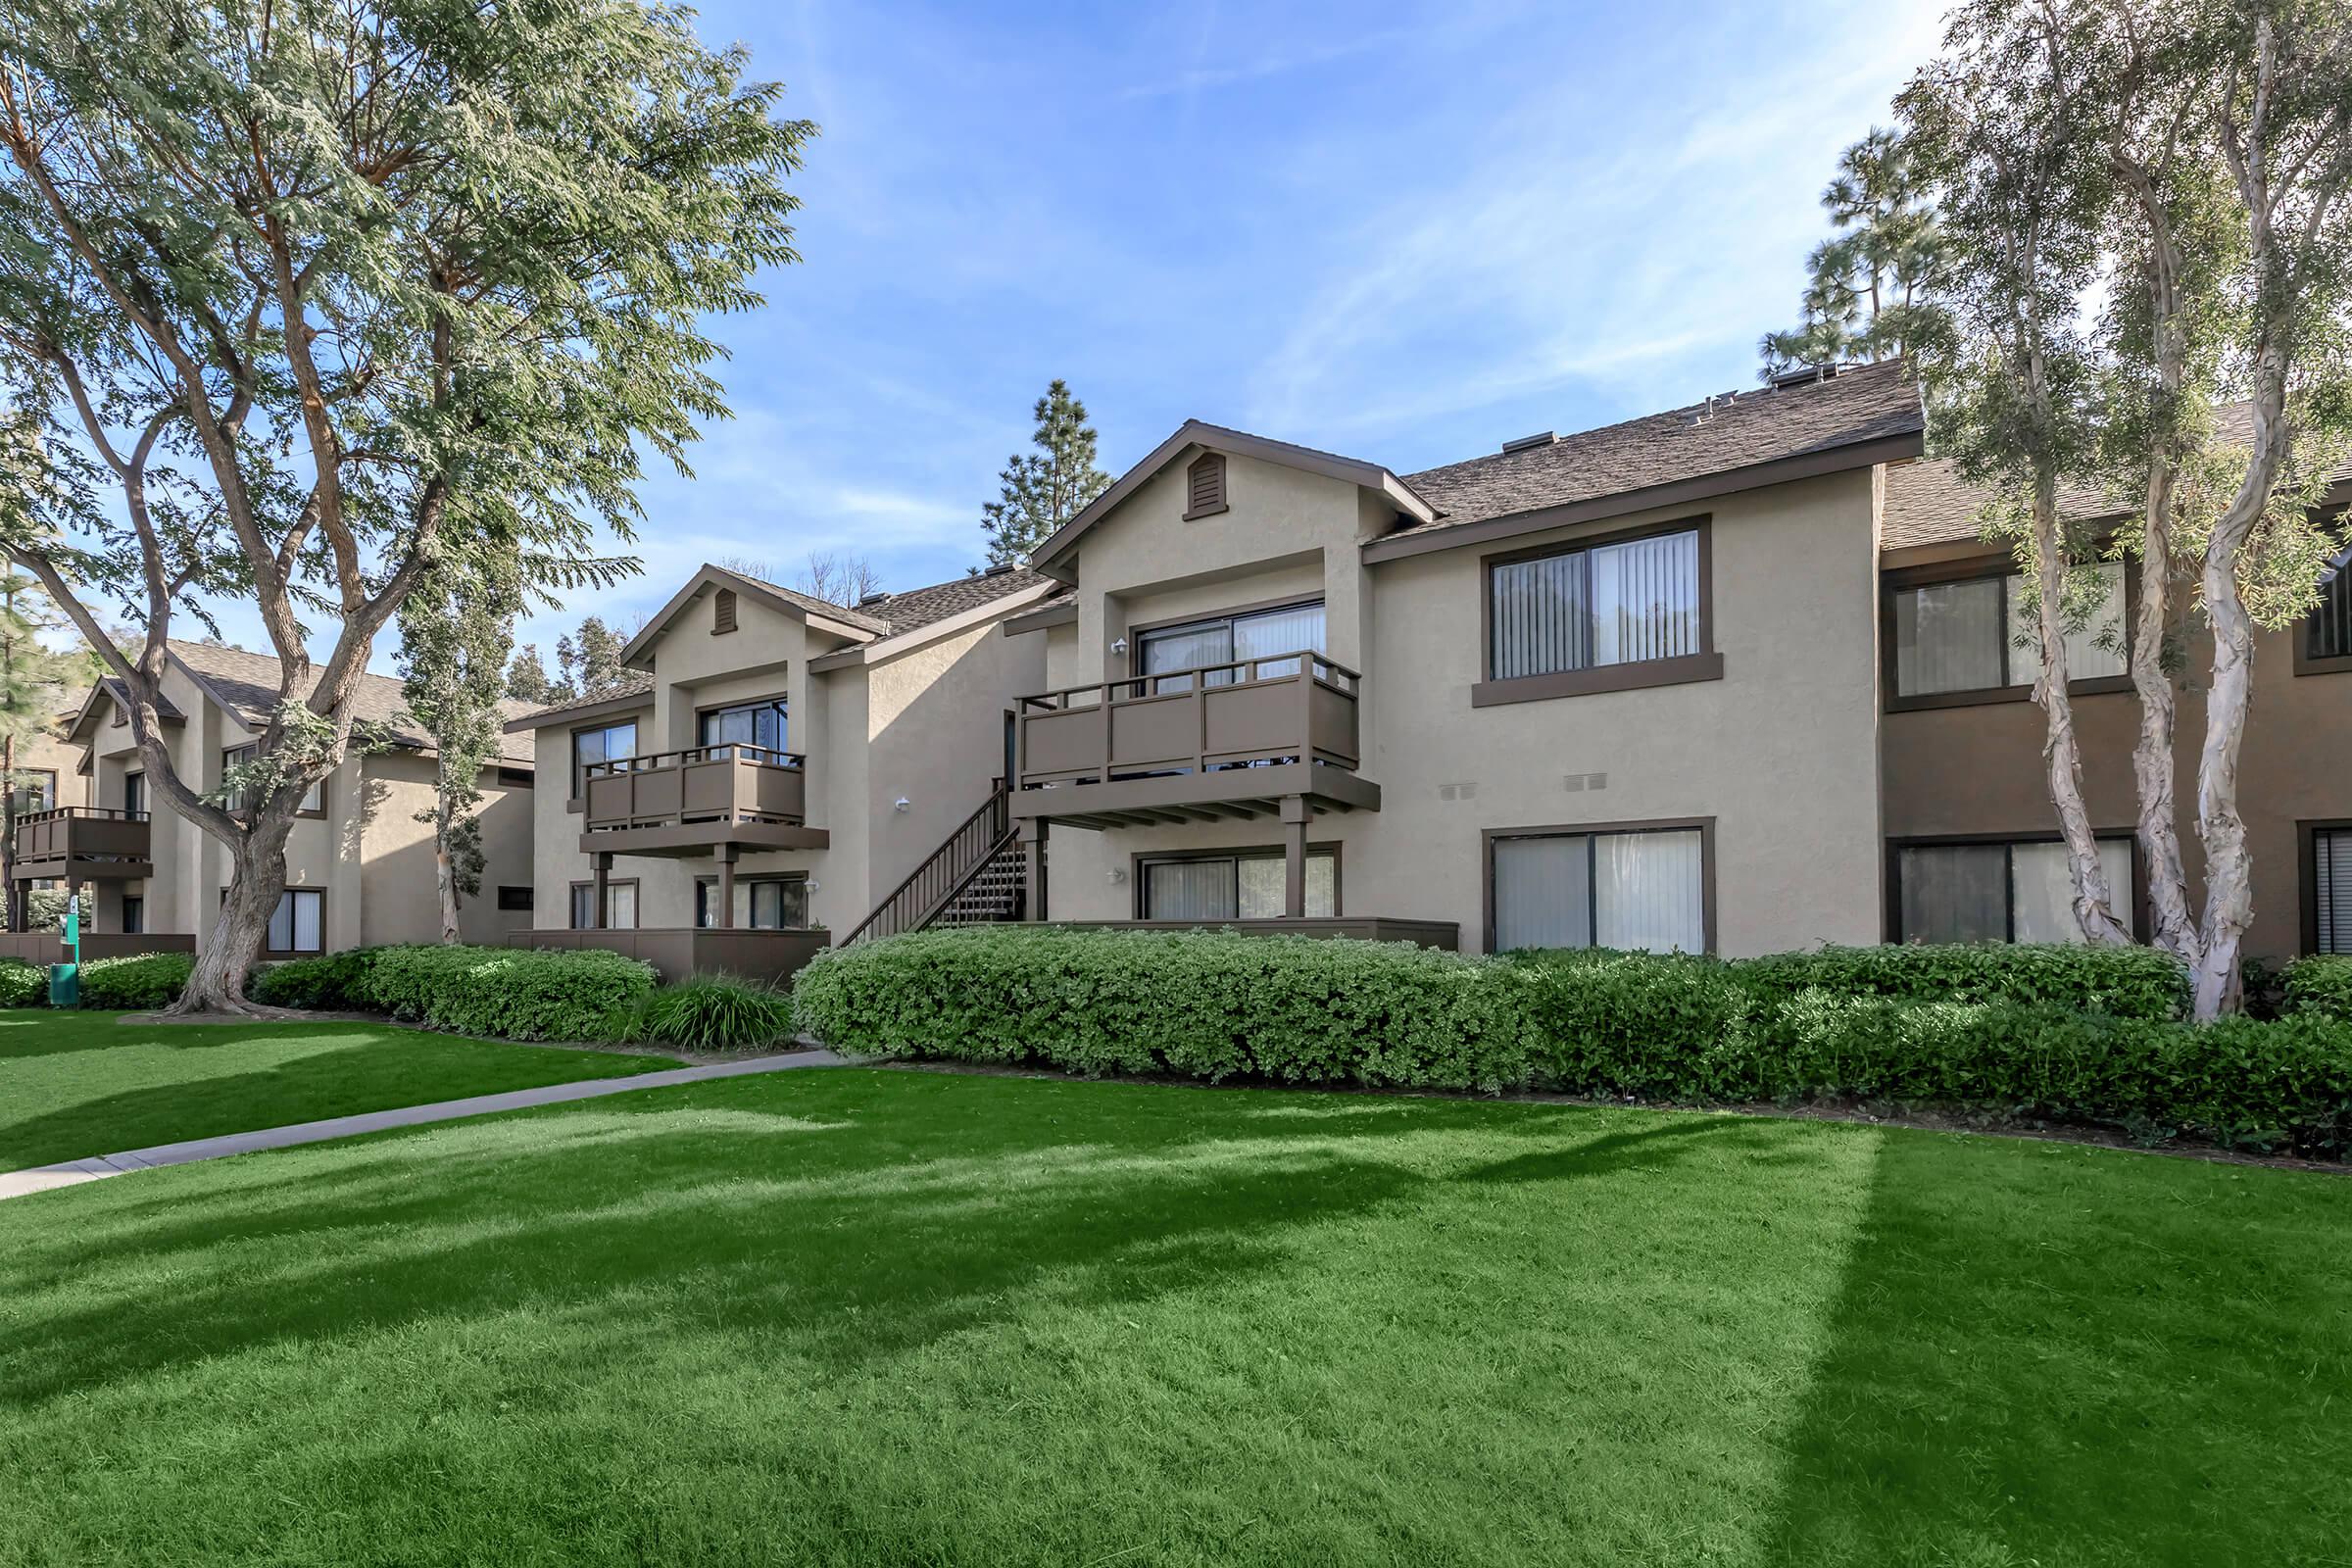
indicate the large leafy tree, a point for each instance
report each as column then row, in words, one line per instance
column 1869, row 286
column 1044, row 489
column 295, row 293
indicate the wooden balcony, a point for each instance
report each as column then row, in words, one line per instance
column 697, row 801
column 85, row 843
column 1222, row 740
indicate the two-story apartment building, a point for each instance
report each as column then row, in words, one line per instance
column 1612, row 689
column 360, row 864
column 785, row 768
column 1973, row 849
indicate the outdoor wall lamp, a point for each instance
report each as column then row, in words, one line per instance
column 900, row 804
column 1117, row 875
column 1119, row 647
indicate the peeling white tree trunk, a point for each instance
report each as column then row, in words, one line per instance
column 2095, row 902
column 2152, row 761
column 445, row 883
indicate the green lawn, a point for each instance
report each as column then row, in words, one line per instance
column 874, row 1317
column 74, row 1084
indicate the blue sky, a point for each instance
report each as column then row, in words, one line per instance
column 1407, row 233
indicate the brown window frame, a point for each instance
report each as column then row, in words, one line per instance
column 1906, row 579
column 1636, row 676
column 780, row 700
column 1212, row 463
column 507, row 891
column 571, row 899
column 49, row 773
column 1705, row 826
column 577, row 797
column 2307, row 873
column 1892, row 891
column 288, row 953
column 710, row 883
column 2308, row 662
column 1236, row 854
column 313, row 813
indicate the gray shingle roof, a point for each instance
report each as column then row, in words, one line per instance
column 246, row 684
column 1868, row 403
column 922, row 607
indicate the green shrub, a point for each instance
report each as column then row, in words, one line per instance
column 135, row 983
column 1629, row 1023
column 23, row 985
column 514, row 993
column 333, row 982
column 1203, row 1005
column 716, row 1013
column 2124, row 981
column 2318, row 986
column 45, row 909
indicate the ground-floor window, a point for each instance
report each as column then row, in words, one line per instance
column 2007, row 891
column 762, row 903
column 135, row 914
column 620, row 906
column 2329, row 877
column 1233, row 885
column 298, row 923
column 1633, row 887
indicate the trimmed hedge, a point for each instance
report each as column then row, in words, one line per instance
column 2319, row 987
column 2044, row 1033
column 513, row 993
column 1202, row 1005
column 135, row 983
column 333, row 982
column 23, row 985
column 715, row 1012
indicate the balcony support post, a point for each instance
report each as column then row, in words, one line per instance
column 604, row 889
column 1296, row 814
column 726, row 888
column 1033, row 856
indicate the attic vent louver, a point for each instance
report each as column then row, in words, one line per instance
column 871, row 599
column 722, row 611
column 1544, row 439
column 998, row 571
column 1205, row 485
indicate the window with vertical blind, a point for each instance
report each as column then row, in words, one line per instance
column 2016, row 890
column 2326, row 641
column 1603, row 616
column 745, row 724
column 620, row 906
column 762, row 903
column 1222, row 639
column 1978, row 634
column 298, row 924
column 1635, row 887
column 1244, row 884
column 2329, row 877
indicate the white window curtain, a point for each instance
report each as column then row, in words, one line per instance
column 2093, row 649
column 2043, row 890
column 1263, row 885
column 622, row 898
column 1542, row 892
column 1189, row 890
column 294, row 925
column 1648, row 892
column 1279, row 631
column 1645, row 599
column 1948, row 638
column 2331, row 875
column 1186, row 648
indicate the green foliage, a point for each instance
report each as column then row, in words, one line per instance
column 1868, row 285
column 333, row 982
column 1200, row 1005
column 2071, row 1034
column 1044, row 489
column 511, row 993
column 2319, row 987
column 716, row 1013
column 45, row 909
column 136, row 984
column 23, row 985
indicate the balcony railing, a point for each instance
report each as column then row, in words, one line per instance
column 1245, row 713
column 717, row 785
column 90, row 840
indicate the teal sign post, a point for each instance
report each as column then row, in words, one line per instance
column 65, row 979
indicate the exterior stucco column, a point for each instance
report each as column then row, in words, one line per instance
column 1295, row 818
column 1033, row 854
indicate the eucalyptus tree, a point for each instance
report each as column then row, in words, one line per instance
column 306, row 294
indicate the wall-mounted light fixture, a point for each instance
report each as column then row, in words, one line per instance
column 1119, row 647
column 814, row 886
column 1117, row 876
column 900, row 804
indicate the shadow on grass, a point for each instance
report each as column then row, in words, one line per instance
column 2044, row 1355
column 845, row 1243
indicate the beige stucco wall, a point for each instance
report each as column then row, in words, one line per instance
column 1781, row 752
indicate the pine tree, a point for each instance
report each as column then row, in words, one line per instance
column 1866, row 295
column 527, row 678
column 1045, row 488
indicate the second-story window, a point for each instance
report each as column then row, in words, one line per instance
column 743, row 724
column 1226, row 639
column 1571, row 610
column 134, row 795
column 604, row 744
column 2328, row 631
column 1980, row 635
column 36, row 789
column 313, row 799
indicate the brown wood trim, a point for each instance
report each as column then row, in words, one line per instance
column 571, row 755
column 1252, row 851
column 1677, row 825
column 2142, row 920
column 1705, row 665
column 1680, row 492
column 1636, row 676
column 2309, row 664
column 1028, row 620
column 2307, row 873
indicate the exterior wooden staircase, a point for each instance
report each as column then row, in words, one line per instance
column 973, row 878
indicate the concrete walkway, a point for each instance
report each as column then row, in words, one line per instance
column 41, row 1178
